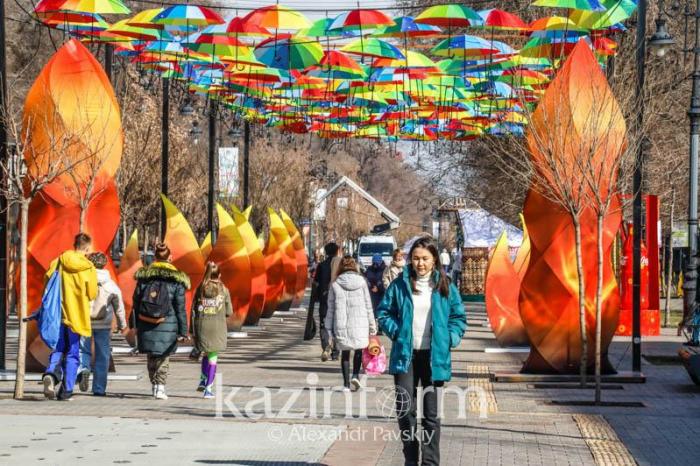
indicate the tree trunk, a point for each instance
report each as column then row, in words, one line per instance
column 598, row 305
column 22, row 341
column 581, row 300
column 83, row 214
column 669, row 265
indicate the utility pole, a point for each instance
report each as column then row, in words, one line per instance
column 637, row 183
column 211, row 191
column 164, row 158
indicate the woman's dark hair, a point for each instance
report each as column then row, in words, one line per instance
column 442, row 284
column 347, row 264
column 98, row 259
column 162, row 252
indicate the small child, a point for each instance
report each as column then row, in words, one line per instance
column 210, row 308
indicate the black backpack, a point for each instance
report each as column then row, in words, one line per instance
column 155, row 302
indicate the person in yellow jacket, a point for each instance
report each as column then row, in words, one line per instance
column 78, row 288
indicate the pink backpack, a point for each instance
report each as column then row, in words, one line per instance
column 374, row 364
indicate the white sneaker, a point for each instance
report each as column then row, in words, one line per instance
column 160, row 393
column 356, row 384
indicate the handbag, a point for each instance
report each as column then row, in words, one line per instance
column 374, row 364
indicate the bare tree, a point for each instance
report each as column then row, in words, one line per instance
column 41, row 156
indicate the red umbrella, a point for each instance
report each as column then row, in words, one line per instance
column 499, row 19
column 238, row 27
column 359, row 19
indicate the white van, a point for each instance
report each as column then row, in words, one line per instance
column 368, row 246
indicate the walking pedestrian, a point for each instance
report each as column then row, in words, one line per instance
column 395, row 269
column 445, row 260
column 350, row 319
column 457, row 269
column 322, row 281
column 424, row 316
column 374, row 275
column 78, row 288
column 159, row 315
column 210, row 308
column 108, row 303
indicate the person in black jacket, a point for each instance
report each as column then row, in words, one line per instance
column 322, row 283
column 158, row 337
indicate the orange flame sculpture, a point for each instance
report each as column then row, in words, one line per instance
column 300, row 255
column 549, row 292
column 184, row 248
column 230, row 253
column 502, row 289
column 258, row 274
column 71, row 119
column 274, row 269
column 284, row 245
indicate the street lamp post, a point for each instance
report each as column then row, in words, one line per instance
column 660, row 41
column 246, row 163
column 164, row 159
column 211, row 191
column 691, row 274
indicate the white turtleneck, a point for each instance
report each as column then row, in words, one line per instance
column 422, row 317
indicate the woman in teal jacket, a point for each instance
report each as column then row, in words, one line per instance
column 423, row 315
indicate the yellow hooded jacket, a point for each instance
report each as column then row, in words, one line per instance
column 78, row 288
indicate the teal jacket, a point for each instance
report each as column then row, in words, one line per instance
column 395, row 316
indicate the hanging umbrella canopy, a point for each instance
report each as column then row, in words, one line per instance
column 321, row 28
column 372, row 47
column 124, row 29
column 555, row 23
column 144, row 19
column 464, row 46
column 452, row 15
column 103, row 7
column 360, row 19
column 411, row 59
column 502, row 20
column 616, row 11
column 405, row 26
column 590, row 5
column 277, row 17
column 336, row 60
column 187, row 15
column 289, row 52
column 238, row 27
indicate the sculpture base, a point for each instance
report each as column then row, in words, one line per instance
column 519, row 377
column 536, row 364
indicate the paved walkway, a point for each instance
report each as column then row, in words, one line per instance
column 281, row 405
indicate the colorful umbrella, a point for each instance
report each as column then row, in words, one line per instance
column 360, row 19
column 277, row 17
column 464, row 46
column 239, row 27
column 103, row 7
column 590, row 5
column 187, row 15
column 452, row 15
column 372, row 47
column 405, row 26
column 499, row 19
column 289, row 52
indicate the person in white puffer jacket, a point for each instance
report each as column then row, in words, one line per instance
column 350, row 319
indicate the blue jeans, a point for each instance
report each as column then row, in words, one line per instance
column 64, row 360
column 103, row 349
column 85, row 354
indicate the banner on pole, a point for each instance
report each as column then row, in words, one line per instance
column 228, row 171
